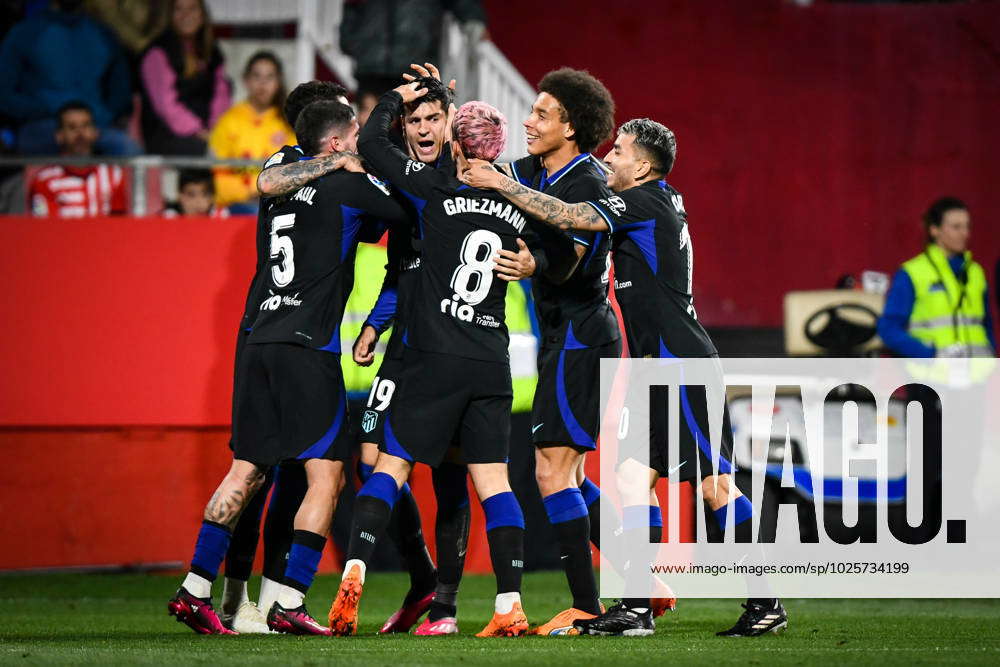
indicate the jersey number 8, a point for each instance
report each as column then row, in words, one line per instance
column 473, row 277
column 281, row 246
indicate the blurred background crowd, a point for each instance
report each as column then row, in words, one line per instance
column 123, row 78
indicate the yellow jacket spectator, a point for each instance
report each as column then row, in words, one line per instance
column 252, row 129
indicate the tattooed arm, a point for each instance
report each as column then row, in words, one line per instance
column 280, row 180
column 582, row 216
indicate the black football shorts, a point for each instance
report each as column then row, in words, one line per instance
column 290, row 404
column 371, row 425
column 566, row 410
column 441, row 399
column 695, row 448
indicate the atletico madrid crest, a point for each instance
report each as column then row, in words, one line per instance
column 369, row 420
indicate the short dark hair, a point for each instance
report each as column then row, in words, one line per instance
column 317, row 120
column 656, row 140
column 586, row 103
column 74, row 105
column 935, row 213
column 280, row 94
column 436, row 92
column 306, row 93
column 189, row 176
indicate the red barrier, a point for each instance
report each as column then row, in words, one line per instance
column 121, row 320
column 133, row 495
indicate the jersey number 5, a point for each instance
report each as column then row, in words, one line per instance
column 473, row 277
column 281, row 246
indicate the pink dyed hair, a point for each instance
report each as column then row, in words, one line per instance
column 481, row 130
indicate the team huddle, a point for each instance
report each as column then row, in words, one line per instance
column 460, row 228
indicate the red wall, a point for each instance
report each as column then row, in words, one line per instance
column 122, row 321
column 810, row 139
column 116, row 356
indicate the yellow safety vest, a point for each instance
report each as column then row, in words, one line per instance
column 945, row 312
column 369, row 272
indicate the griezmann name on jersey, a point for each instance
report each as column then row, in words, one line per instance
column 458, row 306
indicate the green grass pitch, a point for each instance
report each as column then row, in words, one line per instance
column 105, row 619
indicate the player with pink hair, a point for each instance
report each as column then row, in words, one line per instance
column 480, row 130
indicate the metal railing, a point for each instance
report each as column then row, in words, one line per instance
column 140, row 167
column 482, row 71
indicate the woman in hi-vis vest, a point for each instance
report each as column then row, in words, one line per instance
column 938, row 304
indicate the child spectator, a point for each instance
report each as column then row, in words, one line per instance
column 77, row 191
column 56, row 56
column 184, row 86
column 252, row 129
column 195, row 196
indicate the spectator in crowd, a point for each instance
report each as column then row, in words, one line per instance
column 135, row 22
column 938, row 304
column 385, row 36
column 56, row 56
column 184, row 86
column 195, row 196
column 252, row 129
column 73, row 191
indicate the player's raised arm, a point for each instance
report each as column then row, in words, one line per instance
column 384, row 157
column 285, row 178
column 582, row 216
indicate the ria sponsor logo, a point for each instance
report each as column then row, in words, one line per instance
column 462, row 312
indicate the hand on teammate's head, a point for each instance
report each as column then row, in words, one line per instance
column 410, row 92
column 428, row 70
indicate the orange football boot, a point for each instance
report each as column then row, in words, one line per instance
column 344, row 610
column 512, row 624
column 562, row 623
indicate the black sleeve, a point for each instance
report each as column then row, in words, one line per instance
column 584, row 190
column 621, row 209
column 372, row 196
column 412, row 177
column 284, row 155
column 525, row 169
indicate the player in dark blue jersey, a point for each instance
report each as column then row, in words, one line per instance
column 236, row 610
column 456, row 370
column 653, row 259
column 572, row 115
column 290, row 399
column 423, row 124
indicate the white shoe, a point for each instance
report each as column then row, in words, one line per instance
column 249, row 620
